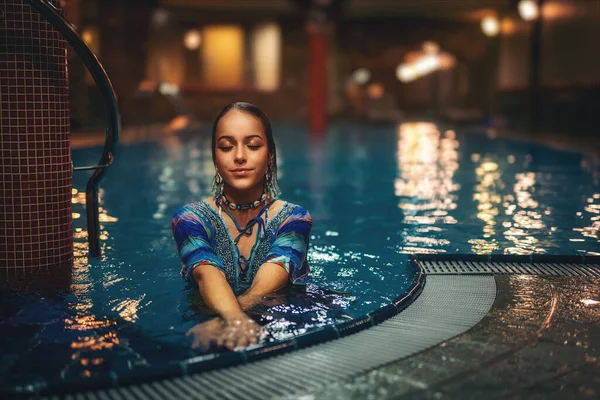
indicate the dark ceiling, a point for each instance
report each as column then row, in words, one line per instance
column 452, row 9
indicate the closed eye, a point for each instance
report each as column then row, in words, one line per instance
column 251, row 147
column 225, row 148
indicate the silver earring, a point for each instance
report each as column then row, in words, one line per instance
column 270, row 186
column 217, row 184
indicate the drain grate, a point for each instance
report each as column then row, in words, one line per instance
column 451, row 267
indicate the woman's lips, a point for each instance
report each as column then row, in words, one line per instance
column 241, row 172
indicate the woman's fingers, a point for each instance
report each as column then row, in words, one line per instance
column 253, row 339
column 196, row 343
column 230, row 344
column 232, row 334
column 243, row 341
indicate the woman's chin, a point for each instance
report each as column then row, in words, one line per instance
column 243, row 185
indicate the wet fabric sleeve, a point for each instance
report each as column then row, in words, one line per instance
column 193, row 236
column 290, row 247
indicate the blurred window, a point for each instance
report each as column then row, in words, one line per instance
column 222, row 57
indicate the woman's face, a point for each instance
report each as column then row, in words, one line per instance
column 241, row 153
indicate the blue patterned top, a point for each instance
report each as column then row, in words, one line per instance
column 202, row 237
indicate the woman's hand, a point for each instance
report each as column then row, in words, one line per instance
column 205, row 333
column 231, row 331
column 238, row 331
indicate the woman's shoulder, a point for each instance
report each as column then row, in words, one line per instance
column 295, row 211
column 199, row 208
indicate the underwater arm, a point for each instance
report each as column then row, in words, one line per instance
column 286, row 260
column 234, row 328
column 269, row 278
column 215, row 291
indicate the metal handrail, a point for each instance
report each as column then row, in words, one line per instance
column 113, row 123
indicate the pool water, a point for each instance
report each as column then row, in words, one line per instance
column 377, row 193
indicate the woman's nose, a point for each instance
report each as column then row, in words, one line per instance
column 240, row 154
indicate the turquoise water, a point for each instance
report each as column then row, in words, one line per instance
column 376, row 195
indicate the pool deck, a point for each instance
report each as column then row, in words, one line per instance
column 539, row 341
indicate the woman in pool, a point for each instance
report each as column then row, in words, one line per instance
column 243, row 242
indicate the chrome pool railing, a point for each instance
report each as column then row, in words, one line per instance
column 113, row 119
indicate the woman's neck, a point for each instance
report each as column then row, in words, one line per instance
column 243, row 196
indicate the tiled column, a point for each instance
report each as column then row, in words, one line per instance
column 36, row 238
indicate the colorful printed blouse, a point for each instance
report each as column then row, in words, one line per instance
column 202, row 237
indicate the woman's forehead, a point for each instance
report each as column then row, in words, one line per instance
column 239, row 124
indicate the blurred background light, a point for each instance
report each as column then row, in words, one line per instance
column 406, row 73
column 528, row 9
column 160, row 17
column 430, row 47
column 266, row 56
column 490, row 25
column 192, row 39
column 361, row 76
column 168, row 89
column 508, row 26
column 375, row 90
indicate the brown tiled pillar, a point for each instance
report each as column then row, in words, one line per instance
column 36, row 238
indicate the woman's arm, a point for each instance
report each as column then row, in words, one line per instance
column 269, row 278
column 215, row 291
column 234, row 328
column 286, row 260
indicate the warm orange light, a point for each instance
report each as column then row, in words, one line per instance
column 87, row 37
column 91, row 37
column 147, row 86
column 178, row 123
column 447, row 60
column 223, row 55
column 375, row 90
column 430, row 47
column 555, row 10
column 508, row 26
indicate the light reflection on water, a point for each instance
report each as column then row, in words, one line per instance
column 487, row 195
column 425, row 186
column 590, row 230
column 527, row 227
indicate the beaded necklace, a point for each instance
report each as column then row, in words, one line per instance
column 248, row 206
column 246, row 230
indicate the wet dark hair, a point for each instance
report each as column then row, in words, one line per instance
column 255, row 112
column 266, row 125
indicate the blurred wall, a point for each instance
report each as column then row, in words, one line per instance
column 381, row 44
column 274, row 78
column 569, row 65
column 142, row 47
